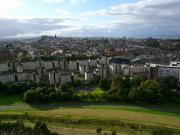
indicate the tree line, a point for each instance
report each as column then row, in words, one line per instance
column 137, row 89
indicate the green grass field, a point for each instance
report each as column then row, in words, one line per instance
column 10, row 100
column 166, row 115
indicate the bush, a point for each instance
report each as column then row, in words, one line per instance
column 99, row 131
column 18, row 128
column 147, row 92
column 14, row 88
column 49, row 94
column 160, row 131
column 40, row 95
column 114, row 132
column 105, row 84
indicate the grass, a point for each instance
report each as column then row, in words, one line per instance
column 97, row 91
column 108, row 112
column 83, row 129
column 167, row 115
column 10, row 100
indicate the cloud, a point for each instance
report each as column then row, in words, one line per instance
column 63, row 12
column 145, row 17
column 101, row 12
column 75, row 2
column 72, row 2
column 142, row 10
column 141, row 18
column 11, row 4
column 53, row 1
column 7, row 7
column 14, row 27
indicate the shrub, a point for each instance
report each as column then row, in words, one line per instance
column 99, row 131
column 105, row 84
column 160, row 131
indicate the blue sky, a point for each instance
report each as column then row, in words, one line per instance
column 87, row 18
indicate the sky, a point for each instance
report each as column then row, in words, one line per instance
column 90, row 18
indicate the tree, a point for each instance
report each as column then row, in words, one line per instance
column 150, row 42
column 40, row 95
column 40, row 128
column 105, row 84
column 65, row 92
column 3, row 87
column 31, row 96
column 147, row 92
column 120, row 88
column 167, row 85
column 137, row 80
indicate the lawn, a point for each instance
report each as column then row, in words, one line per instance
column 97, row 91
column 99, row 111
column 164, row 115
column 10, row 100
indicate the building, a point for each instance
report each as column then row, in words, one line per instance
column 4, row 67
column 159, row 71
column 139, row 69
column 114, row 69
column 175, row 63
column 93, row 63
column 73, row 65
column 65, row 77
column 89, row 76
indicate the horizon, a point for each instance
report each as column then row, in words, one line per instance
column 90, row 37
column 90, row 18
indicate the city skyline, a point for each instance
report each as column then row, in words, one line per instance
column 89, row 18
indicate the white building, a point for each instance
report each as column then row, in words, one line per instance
column 138, row 70
column 31, row 65
column 83, row 69
column 175, row 63
column 103, row 72
column 75, row 76
column 164, row 71
column 47, row 64
column 64, row 65
column 105, row 60
column 4, row 67
column 125, row 69
column 83, row 62
column 21, row 77
column 93, row 63
column 89, row 76
column 35, row 77
column 114, row 69
column 7, row 78
column 15, row 77
column 19, row 68
column 73, row 65
column 65, row 78
column 56, row 64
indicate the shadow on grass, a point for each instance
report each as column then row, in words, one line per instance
column 10, row 100
column 171, row 109
column 164, row 109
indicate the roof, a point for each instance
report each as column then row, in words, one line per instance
column 120, row 60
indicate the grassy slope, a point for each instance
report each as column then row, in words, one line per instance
column 10, row 100
column 167, row 114
column 107, row 112
column 84, row 130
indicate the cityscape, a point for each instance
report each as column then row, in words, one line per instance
column 81, row 67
